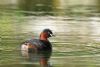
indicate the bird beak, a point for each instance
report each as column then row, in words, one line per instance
column 52, row 35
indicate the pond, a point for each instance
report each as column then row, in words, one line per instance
column 75, row 23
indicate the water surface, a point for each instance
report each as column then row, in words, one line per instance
column 76, row 25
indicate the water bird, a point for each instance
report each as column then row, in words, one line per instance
column 39, row 49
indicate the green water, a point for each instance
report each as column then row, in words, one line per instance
column 76, row 25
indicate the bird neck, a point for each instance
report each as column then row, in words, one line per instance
column 44, row 36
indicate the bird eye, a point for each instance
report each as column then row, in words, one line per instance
column 48, row 32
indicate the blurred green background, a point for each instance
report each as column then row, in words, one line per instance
column 76, row 24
